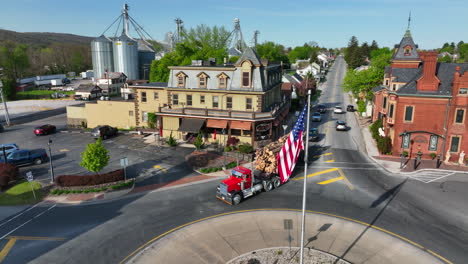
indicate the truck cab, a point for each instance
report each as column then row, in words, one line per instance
column 242, row 183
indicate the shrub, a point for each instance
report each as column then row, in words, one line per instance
column 88, row 180
column 405, row 153
column 152, row 120
column 384, row 144
column 232, row 141
column 433, row 155
column 199, row 142
column 171, row 141
column 227, row 149
column 374, row 128
column 8, row 172
column 95, row 157
column 246, row 148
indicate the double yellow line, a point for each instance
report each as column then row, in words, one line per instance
column 341, row 177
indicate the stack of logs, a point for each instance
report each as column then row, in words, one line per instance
column 266, row 156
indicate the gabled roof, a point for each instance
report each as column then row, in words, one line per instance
column 86, row 88
column 249, row 54
column 290, row 78
column 298, row 77
column 407, row 40
column 444, row 72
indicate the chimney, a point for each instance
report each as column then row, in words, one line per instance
column 429, row 81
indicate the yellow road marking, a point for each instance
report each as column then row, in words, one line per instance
column 330, row 160
column 159, row 167
column 36, row 238
column 287, row 209
column 7, row 248
column 331, row 180
column 326, row 154
column 316, row 173
column 350, row 186
column 64, row 150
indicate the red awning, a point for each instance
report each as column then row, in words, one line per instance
column 216, row 123
column 241, row 125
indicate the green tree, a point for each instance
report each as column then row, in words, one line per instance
column 198, row 142
column 353, row 54
column 14, row 59
column 152, row 120
column 234, row 59
column 374, row 46
column 77, row 62
column 463, row 50
column 272, row 51
column 365, row 50
column 95, row 157
column 446, row 58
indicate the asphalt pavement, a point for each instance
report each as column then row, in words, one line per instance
column 341, row 181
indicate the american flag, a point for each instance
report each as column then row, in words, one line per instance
column 289, row 153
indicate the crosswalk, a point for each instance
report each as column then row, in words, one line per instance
column 428, row 176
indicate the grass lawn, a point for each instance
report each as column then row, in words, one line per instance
column 21, row 194
column 39, row 94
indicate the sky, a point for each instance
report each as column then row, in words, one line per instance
column 330, row 23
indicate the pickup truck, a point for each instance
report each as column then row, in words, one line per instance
column 24, row 156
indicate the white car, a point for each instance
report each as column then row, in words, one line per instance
column 338, row 110
column 341, row 125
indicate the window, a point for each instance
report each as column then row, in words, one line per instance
column 189, row 99
column 228, row 102
column 202, row 99
column 248, row 103
column 409, row 113
column 391, row 110
column 386, row 82
column 144, row 116
column 156, row 96
column 463, row 91
column 130, row 113
column 433, row 143
column 215, row 101
column 407, row 50
column 236, row 132
column 175, row 99
column 143, row 97
column 202, row 82
column 394, row 87
column 246, row 79
column 459, row 116
column 180, row 81
column 454, row 144
column 384, row 105
column 222, row 82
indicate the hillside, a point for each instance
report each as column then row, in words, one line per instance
column 43, row 38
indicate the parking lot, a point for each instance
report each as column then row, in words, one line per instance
column 66, row 148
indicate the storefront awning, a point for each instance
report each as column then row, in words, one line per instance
column 241, row 125
column 216, row 123
column 191, row 125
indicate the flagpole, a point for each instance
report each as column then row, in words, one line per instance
column 305, row 178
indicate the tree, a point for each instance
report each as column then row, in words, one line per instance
column 14, row 59
column 272, row 52
column 9, row 88
column 463, row 50
column 446, row 58
column 353, row 54
column 459, row 44
column 152, row 120
column 374, row 46
column 95, row 157
column 198, row 142
column 365, row 50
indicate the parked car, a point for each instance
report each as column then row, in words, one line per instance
column 78, row 97
column 104, row 132
column 341, row 125
column 350, row 108
column 313, row 134
column 316, row 117
column 8, row 148
column 322, row 108
column 24, row 156
column 44, row 130
column 338, row 110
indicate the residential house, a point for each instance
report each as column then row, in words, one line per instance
column 111, row 83
column 423, row 103
column 88, row 91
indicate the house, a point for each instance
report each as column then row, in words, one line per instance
column 242, row 100
column 423, row 103
column 88, row 91
column 112, row 83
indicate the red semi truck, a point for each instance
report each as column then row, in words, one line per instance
column 239, row 185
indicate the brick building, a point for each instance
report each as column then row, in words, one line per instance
column 423, row 103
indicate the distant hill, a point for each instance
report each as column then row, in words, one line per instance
column 43, row 38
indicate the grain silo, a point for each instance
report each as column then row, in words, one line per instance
column 126, row 56
column 146, row 55
column 102, row 55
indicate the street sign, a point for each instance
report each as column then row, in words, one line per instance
column 124, row 162
column 29, row 176
column 285, row 126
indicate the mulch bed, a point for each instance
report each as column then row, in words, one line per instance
column 206, row 159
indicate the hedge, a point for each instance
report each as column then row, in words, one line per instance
column 8, row 172
column 88, row 180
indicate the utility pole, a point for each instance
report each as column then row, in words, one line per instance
column 7, row 115
column 50, row 163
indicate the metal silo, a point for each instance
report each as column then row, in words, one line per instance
column 126, row 56
column 102, row 55
column 146, row 55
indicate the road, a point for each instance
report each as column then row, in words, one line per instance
column 342, row 181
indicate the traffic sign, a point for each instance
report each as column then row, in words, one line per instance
column 124, row 162
column 29, row 176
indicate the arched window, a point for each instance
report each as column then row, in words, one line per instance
column 246, row 70
column 407, row 50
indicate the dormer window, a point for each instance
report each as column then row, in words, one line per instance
column 222, row 80
column 246, row 79
column 181, row 79
column 407, row 50
column 246, row 70
column 202, row 80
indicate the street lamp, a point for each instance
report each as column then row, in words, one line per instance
column 404, row 143
column 50, row 162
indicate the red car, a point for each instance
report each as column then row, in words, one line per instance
column 44, row 130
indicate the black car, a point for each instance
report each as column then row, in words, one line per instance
column 321, row 108
column 350, row 108
column 313, row 134
column 104, row 132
